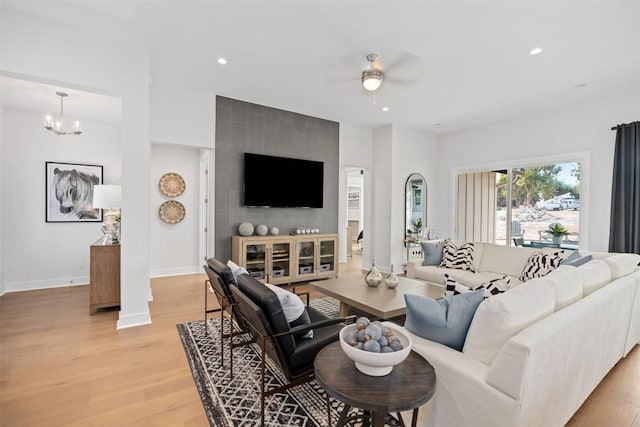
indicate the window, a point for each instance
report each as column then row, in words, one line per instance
column 499, row 205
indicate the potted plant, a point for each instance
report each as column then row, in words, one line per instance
column 418, row 225
column 557, row 231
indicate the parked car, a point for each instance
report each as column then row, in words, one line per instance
column 551, row 205
column 573, row 204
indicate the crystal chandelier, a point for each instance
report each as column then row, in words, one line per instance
column 57, row 126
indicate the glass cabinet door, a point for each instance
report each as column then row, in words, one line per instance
column 280, row 261
column 327, row 257
column 306, row 257
column 257, row 260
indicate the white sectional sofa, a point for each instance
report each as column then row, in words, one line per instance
column 533, row 354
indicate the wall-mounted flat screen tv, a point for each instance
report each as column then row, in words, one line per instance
column 282, row 182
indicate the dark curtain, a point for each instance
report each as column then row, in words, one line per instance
column 624, row 231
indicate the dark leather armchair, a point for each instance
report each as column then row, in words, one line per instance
column 220, row 277
column 265, row 319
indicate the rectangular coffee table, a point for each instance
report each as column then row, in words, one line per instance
column 383, row 303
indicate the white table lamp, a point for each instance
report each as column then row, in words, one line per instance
column 109, row 197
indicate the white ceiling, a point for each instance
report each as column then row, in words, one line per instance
column 474, row 56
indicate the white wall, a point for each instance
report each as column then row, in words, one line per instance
column 579, row 128
column 356, row 152
column 59, row 249
column 398, row 151
column 413, row 152
column 174, row 247
column 54, row 52
column 2, row 203
column 380, row 233
column 182, row 117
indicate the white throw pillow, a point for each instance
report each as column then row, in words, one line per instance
column 236, row 270
column 292, row 307
column 499, row 318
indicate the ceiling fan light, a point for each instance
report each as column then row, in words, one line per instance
column 371, row 79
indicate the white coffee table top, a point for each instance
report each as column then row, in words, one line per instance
column 381, row 302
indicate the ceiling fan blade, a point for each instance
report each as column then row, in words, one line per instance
column 408, row 81
column 355, row 60
column 336, row 80
column 401, row 64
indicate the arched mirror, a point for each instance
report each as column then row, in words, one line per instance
column 415, row 219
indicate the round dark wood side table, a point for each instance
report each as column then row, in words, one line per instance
column 410, row 385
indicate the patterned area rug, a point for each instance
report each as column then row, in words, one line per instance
column 236, row 402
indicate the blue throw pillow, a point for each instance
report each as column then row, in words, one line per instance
column 446, row 320
column 432, row 252
column 576, row 259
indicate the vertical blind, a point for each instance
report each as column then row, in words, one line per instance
column 477, row 207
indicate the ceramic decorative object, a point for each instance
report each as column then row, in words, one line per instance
column 172, row 212
column 262, row 230
column 376, row 364
column 245, row 229
column 172, row 184
column 391, row 280
column 373, row 277
column 274, row 231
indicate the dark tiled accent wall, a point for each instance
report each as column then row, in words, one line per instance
column 244, row 127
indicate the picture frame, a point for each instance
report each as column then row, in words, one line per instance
column 69, row 192
column 418, row 197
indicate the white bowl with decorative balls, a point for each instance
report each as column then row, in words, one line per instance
column 374, row 363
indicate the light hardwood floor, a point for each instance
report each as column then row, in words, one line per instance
column 61, row 367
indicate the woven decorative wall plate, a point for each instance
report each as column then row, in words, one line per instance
column 172, row 184
column 172, row 212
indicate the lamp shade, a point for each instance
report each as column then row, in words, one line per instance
column 107, row 196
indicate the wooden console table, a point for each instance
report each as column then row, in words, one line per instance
column 104, row 275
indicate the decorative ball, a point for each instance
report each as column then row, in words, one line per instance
column 274, row 231
column 245, row 229
column 261, row 230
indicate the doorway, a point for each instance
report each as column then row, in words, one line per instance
column 355, row 212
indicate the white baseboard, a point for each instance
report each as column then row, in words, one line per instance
column 176, row 271
column 131, row 320
column 33, row 285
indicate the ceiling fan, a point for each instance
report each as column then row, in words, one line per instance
column 393, row 67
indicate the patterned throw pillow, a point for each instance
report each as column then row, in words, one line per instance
column 459, row 258
column 539, row 265
column 491, row 288
column 452, row 287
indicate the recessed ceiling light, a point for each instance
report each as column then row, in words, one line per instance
column 385, row 108
column 580, row 85
column 222, row 61
column 438, row 124
column 535, row 51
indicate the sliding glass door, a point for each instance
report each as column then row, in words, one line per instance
column 518, row 205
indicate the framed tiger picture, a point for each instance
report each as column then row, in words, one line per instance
column 69, row 192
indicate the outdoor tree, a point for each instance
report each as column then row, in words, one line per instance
column 538, row 180
column 529, row 185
